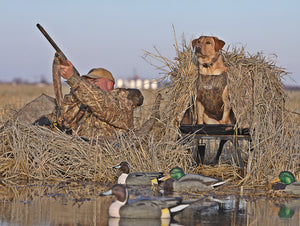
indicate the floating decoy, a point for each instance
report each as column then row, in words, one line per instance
column 145, row 208
column 178, row 181
column 140, row 178
column 286, row 182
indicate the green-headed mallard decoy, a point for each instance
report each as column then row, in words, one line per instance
column 286, row 182
column 147, row 208
column 178, row 181
column 140, row 178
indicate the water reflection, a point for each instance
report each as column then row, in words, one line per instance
column 138, row 222
column 80, row 205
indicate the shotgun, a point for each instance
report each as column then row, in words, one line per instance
column 56, row 76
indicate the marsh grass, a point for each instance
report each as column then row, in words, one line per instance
column 33, row 153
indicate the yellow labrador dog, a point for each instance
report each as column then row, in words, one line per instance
column 212, row 90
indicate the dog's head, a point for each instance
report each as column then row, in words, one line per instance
column 207, row 46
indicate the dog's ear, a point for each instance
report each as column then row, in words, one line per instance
column 218, row 44
column 194, row 42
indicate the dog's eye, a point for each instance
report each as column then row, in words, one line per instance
column 207, row 42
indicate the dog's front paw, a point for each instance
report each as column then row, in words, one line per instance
column 223, row 122
column 200, row 122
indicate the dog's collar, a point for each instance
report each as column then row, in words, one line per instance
column 206, row 65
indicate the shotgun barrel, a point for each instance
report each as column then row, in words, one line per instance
column 62, row 57
column 57, row 49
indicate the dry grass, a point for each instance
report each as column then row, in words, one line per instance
column 34, row 153
column 293, row 101
column 258, row 101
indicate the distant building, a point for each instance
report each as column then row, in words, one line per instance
column 137, row 83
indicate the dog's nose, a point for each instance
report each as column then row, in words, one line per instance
column 198, row 48
column 198, row 45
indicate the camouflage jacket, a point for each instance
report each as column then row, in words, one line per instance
column 90, row 111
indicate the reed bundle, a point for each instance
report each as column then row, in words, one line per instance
column 34, row 153
column 258, row 100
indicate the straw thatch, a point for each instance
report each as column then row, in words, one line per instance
column 258, row 101
column 37, row 153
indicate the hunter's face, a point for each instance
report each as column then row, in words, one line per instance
column 103, row 83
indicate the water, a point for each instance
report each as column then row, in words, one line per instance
column 77, row 204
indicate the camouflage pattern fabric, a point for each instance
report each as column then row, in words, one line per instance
column 92, row 112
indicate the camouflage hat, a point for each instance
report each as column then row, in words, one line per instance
column 100, row 73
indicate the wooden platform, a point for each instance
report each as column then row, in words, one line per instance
column 217, row 132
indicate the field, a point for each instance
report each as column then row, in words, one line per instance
column 293, row 101
column 14, row 96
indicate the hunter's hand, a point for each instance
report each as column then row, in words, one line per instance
column 67, row 71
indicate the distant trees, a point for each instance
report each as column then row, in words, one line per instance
column 43, row 80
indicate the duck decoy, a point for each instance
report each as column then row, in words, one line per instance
column 286, row 182
column 145, row 208
column 139, row 178
column 178, row 181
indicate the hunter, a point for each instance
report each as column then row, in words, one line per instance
column 93, row 108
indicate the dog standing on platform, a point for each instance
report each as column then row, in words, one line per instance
column 212, row 90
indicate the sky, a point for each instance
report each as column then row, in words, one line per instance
column 114, row 34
